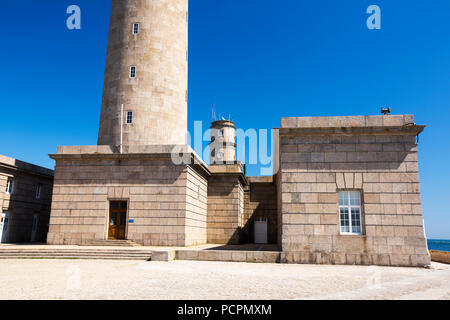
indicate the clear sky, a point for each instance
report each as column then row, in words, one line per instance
column 257, row 60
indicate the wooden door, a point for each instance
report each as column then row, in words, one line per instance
column 117, row 220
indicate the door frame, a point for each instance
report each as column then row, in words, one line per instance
column 108, row 216
column 5, row 215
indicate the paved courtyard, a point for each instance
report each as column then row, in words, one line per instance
column 86, row 279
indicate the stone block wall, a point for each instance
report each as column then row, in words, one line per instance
column 166, row 201
column 225, row 209
column 196, row 207
column 318, row 159
column 23, row 204
column 261, row 202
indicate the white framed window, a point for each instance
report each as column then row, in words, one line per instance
column 221, row 133
column 136, row 28
column 9, row 186
column 133, row 72
column 350, row 212
column 129, row 117
column 220, row 155
column 38, row 191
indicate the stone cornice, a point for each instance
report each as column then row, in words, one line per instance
column 185, row 157
column 229, row 170
column 21, row 166
column 407, row 129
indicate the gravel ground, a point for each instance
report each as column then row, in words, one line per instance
column 190, row 280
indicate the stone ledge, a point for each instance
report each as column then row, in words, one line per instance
column 24, row 166
column 143, row 149
column 229, row 256
column 348, row 121
column 163, row 256
column 226, row 168
column 394, row 260
column 229, row 171
column 299, row 131
column 262, row 179
column 180, row 154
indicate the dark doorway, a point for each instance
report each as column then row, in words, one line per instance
column 117, row 220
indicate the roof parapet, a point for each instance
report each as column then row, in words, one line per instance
column 348, row 121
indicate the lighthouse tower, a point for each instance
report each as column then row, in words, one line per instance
column 141, row 182
column 145, row 84
column 222, row 145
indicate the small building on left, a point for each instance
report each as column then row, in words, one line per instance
column 25, row 201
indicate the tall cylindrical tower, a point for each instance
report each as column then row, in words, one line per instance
column 146, row 71
column 223, row 145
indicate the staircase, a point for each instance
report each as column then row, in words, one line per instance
column 75, row 253
column 112, row 243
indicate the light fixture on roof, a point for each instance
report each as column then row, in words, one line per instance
column 386, row 111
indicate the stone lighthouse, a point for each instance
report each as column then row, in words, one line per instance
column 145, row 84
column 223, row 146
column 141, row 182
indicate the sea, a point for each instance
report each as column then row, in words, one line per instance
column 439, row 245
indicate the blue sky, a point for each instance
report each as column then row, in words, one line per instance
column 257, row 60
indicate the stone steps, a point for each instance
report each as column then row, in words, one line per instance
column 112, row 243
column 87, row 252
column 45, row 257
column 97, row 254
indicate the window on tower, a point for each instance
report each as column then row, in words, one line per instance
column 136, row 28
column 133, row 72
column 129, row 117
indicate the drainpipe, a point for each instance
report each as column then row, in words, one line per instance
column 121, row 128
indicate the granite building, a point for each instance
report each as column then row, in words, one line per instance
column 348, row 191
column 25, row 199
column 345, row 190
